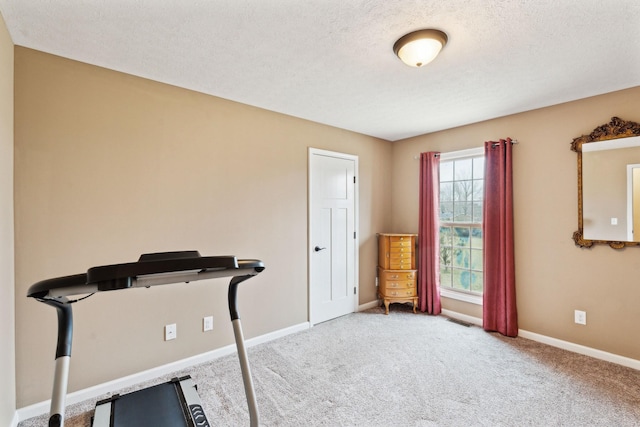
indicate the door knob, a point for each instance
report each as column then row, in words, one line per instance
column 318, row 249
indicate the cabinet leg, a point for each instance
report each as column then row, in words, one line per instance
column 386, row 305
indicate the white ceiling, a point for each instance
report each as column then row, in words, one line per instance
column 331, row 61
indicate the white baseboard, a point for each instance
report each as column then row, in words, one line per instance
column 469, row 319
column 117, row 384
column 367, row 306
column 581, row 349
column 554, row 342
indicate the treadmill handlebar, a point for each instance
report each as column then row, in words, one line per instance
column 150, row 270
column 65, row 327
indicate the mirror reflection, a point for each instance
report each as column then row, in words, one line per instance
column 611, row 190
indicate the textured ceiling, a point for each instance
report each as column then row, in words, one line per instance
column 331, row 61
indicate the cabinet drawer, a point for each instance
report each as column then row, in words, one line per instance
column 395, row 245
column 396, row 275
column 401, row 246
column 400, row 253
column 398, row 284
column 399, row 293
column 400, row 239
column 396, row 254
column 400, row 264
column 407, row 257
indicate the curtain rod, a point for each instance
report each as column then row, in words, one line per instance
column 513, row 141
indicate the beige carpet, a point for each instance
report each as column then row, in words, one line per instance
column 406, row 369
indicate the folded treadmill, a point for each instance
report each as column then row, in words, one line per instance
column 172, row 404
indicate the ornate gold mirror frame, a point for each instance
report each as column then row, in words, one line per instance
column 616, row 128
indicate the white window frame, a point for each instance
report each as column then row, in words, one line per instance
column 450, row 293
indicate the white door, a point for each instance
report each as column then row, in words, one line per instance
column 332, row 235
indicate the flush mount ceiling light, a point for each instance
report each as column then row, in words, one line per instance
column 420, row 47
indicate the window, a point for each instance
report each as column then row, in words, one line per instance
column 461, row 243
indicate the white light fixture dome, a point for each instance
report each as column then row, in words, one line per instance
column 420, row 47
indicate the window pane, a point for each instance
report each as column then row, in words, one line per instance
column 461, row 279
column 445, row 276
column 446, row 211
column 446, row 237
column 446, row 192
column 463, row 169
column 462, row 212
column 477, row 212
column 446, row 171
column 463, row 191
column 476, row 282
column 478, row 190
column 478, row 168
column 476, row 259
column 445, row 251
column 461, row 236
column 461, row 258
column 445, row 257
column 455, row 279
column 476, row 238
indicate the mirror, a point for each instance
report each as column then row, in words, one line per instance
column 609, row 185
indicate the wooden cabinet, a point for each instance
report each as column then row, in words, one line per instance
column 397, row 273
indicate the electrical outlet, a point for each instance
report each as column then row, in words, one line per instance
column 580, row 317
column 170, row 332
column 207, row 323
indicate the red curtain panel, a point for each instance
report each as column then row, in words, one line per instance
column 428, row 234
column 499, row 297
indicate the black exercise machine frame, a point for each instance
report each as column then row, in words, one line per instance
column 150, row 270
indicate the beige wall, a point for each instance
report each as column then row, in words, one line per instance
column 109, row 166
column 554, row 277
column 7, row 322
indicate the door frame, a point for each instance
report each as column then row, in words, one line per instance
column 356, row 256
column 630, row 196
